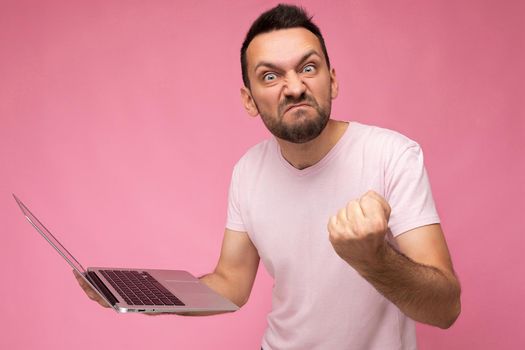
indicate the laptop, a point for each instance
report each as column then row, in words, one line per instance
column 140, row 290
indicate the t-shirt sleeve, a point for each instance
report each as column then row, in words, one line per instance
column 234, row 220
column 408, row 191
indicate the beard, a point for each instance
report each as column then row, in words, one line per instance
column 304, row 127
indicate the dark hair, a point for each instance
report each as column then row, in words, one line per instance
column 281, row 16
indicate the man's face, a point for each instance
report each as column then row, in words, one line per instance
column 291, row 86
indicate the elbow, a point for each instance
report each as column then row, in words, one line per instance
column 449, row 321
column 239, row 298
column 240, row 301
column 454, row 309
column 452, row 315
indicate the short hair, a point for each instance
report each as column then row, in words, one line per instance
column 282, row 16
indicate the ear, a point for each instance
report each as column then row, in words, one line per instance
column 248, row 102
column 334, row 85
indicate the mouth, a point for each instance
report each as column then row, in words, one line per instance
column 297, row 105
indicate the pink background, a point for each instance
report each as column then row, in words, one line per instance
column 120, row 122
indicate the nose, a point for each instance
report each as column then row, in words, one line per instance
column 294, row 85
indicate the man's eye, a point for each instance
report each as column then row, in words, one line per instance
column 309, row 69
column 269, row 77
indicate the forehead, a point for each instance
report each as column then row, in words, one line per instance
column 281, row 46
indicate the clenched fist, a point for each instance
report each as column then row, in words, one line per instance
column 358, row 231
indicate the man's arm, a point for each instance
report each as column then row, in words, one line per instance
column 236, row 269
column 235, row 272
column 423, row 286
column 418, row 277
column 232, row 278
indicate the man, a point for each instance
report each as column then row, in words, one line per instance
column 340, row 213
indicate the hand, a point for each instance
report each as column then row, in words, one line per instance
column 358, row 231
column 92, row 294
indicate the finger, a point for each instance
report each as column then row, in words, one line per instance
column 77, row 275
column 354, row 212
column 80, row 279
column 382, row 201
column 90, row 292
column 334, row 227
column 372, row 209
column 82, row 282
column 376, row 220
column 332, row 223
column 95, row 297
column 342, row 216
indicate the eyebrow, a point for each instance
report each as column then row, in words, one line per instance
column 273, row 66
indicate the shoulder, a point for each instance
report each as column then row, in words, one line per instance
column 372, row 135
column 255, row 156
column 386, row 146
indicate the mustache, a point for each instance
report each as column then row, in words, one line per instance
column 289, row 101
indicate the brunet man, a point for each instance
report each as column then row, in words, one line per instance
column 340, row 213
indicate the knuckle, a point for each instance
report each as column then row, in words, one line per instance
column 336, row 237
column 359, row 228
column 332, row 224
column 352, row 204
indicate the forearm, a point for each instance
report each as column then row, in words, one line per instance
column 220, row 285
column 424, row 293
column 226, row 287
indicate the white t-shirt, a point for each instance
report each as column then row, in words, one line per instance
column 318, row 300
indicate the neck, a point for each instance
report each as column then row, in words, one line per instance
column 304, row 155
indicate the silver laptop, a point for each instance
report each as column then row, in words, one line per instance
column 140, row 290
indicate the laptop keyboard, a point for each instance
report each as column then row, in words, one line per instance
column 140, row 288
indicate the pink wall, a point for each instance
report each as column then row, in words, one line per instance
column 120, row 122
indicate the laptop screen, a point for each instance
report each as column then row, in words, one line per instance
column 50, row 238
